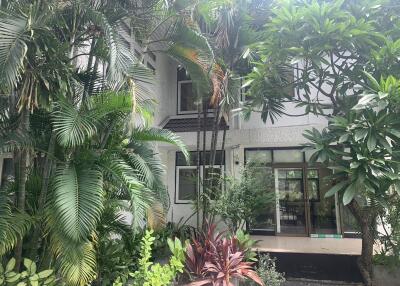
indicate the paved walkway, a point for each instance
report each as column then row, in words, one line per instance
column 305, row 282
column 343, row 246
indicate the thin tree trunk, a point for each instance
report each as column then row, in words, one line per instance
column 367, row 221
column 198, row 198
column 22, row 178
column 47, row 170
column 204, row 197
column 89, row 69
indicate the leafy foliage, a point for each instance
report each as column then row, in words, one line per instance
column 216, row 260
column 338, row 58
column 365, row 157
column 150, row 274
column 13, row 226
column 29, row 276
column 266, row 269
column 243, row 199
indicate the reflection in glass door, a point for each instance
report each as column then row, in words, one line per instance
column 290, row 200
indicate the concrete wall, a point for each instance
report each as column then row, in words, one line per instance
column 286, row 132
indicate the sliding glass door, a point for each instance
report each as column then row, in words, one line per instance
column 301, row 208
column 290, row 198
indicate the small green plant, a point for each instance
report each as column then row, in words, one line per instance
column 155, row 274
column 28, row 277
column 245, row 242
column 267, row 271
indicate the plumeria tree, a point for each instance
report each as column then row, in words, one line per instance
column 341, row 60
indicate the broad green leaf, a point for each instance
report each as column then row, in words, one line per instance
column 364, row 101
column 78, row 200
column 349, row 194
column 30, row 266
column 373, row 82
column 45, row 273
column 371, row 143
column 336, row 188
column 10, row 265
column 343, row 138
column 34, row 277
column 360, row 134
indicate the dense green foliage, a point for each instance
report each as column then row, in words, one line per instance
column 341, row 60
column 155, row 274
column 242, row 199
column 266, row 269
column 29, row 276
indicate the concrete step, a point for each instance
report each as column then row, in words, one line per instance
column 310, row 282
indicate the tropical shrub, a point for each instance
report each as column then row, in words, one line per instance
column 28, row 277
column 246, row 243
column 243, row 199
column 155, row 274
column 266, row 269
column 389, row 235
column 336, row 60
column 213, row 259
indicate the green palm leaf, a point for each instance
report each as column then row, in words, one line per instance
column 12, row 226
column 77, row 201
column 76, row 261
column 72, row 125
column 159, row 135
column 12, row 47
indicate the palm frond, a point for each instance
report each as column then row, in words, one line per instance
column 76, row 261
column 12, row 226
column 77, row 201
column 159, row 135
column 13, row 48
column 72, row 125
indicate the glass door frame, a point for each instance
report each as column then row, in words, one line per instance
column 306, row 203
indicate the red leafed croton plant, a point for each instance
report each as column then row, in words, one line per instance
column 213, row 259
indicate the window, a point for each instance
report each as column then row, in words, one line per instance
column 186, row 97
column 6, row 168
column 186, row 175
column 300, row 187
column 186, row 183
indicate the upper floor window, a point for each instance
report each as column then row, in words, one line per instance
column 6, row 168
column 187, row 175
column 186, row 97
column 186, row 94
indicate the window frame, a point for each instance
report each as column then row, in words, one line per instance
column 305, row 165
column 2, row 157
column 180, row 98
column 177, row 169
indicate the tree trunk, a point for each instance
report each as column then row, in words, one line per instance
column 366, row 218
column 47, row 170
column 22, row 178
column 204, row 198
column 198, row 165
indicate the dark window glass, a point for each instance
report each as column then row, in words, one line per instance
column 219, row 158
column 258, row 157
column 187, row 184
column 7, row 170
column 182, row 74
column 187, row 97
column 213, row 182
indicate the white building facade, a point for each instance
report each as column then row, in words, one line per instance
column 301, row 209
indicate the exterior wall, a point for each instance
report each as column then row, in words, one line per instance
column 285, row 132
column 236, row 142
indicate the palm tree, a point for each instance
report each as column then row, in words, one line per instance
column 75, row 132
